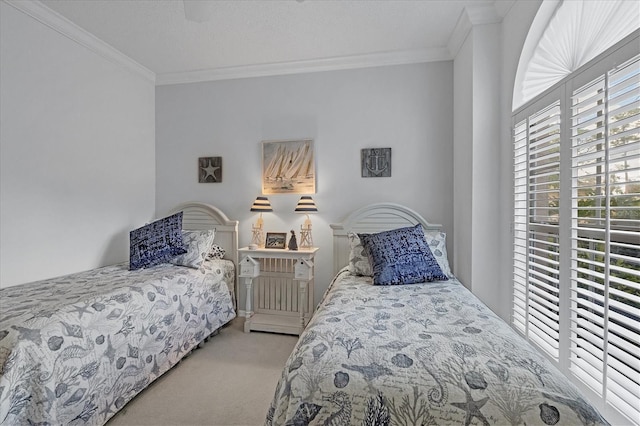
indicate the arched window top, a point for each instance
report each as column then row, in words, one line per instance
column 567, row 34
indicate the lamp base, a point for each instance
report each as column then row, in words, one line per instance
column 257, row 236
column 306, row 239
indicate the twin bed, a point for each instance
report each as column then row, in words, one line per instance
column 75, row 349
column 419, row 354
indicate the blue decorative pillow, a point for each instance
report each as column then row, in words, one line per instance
column 156, row 242
column 401, row 256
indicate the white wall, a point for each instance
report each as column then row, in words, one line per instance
column 476, row 162
column 87, row 125
column 484, row 73
column 77, row 153
column 486, row 162
column 463, row 162
column 408, row 108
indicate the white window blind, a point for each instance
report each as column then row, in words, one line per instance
column 536, row 245
column 519, row 316
column 605, row 236
column 576, row 246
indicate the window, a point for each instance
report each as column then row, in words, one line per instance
column 576, row 268
column 537, row 267
column 565, row 35
column 605, row 233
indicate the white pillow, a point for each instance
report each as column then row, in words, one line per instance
column 358, row 259
column 198, row 245
column 437, row 242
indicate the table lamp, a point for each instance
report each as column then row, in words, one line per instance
column 261, row 205
column 306, row 205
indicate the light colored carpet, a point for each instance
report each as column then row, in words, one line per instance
column 230, row 381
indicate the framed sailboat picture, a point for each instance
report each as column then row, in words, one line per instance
column 288, row 167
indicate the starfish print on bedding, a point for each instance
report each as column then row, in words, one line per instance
column 142, row 332
column 472, row 408
column 305, row 413
column 106, row 412
column 47, row 402
column 81, row 310
column 178, row 350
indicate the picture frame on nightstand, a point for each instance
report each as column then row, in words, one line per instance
column 276, row 240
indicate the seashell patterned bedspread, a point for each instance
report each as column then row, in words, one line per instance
column 421, row 354
column 75, row 349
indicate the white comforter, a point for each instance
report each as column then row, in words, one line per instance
column 420, row 354
column 75, row 349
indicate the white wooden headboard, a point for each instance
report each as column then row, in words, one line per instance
column 197, row 216
column 371, row 219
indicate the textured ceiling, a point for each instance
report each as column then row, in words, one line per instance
column 247, row 33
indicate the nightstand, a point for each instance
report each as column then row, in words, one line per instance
column 279, row 288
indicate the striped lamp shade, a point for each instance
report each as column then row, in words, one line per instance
column 261, row 204
column 306, row 205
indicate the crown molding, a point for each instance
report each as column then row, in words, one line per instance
column 299, row 67
column 62, row 25
column 503, row 7
column 471, row 16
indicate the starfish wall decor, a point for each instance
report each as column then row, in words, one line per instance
column 210, row 169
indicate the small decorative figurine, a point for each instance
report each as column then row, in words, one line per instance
column 293, row 244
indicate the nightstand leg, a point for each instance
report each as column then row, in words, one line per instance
column 247, row 311
column 302, row 303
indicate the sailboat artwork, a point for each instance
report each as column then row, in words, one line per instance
column 288, row 167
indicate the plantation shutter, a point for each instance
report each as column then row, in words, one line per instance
column 536, row 241
column 519, row 316
column 605, row 237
